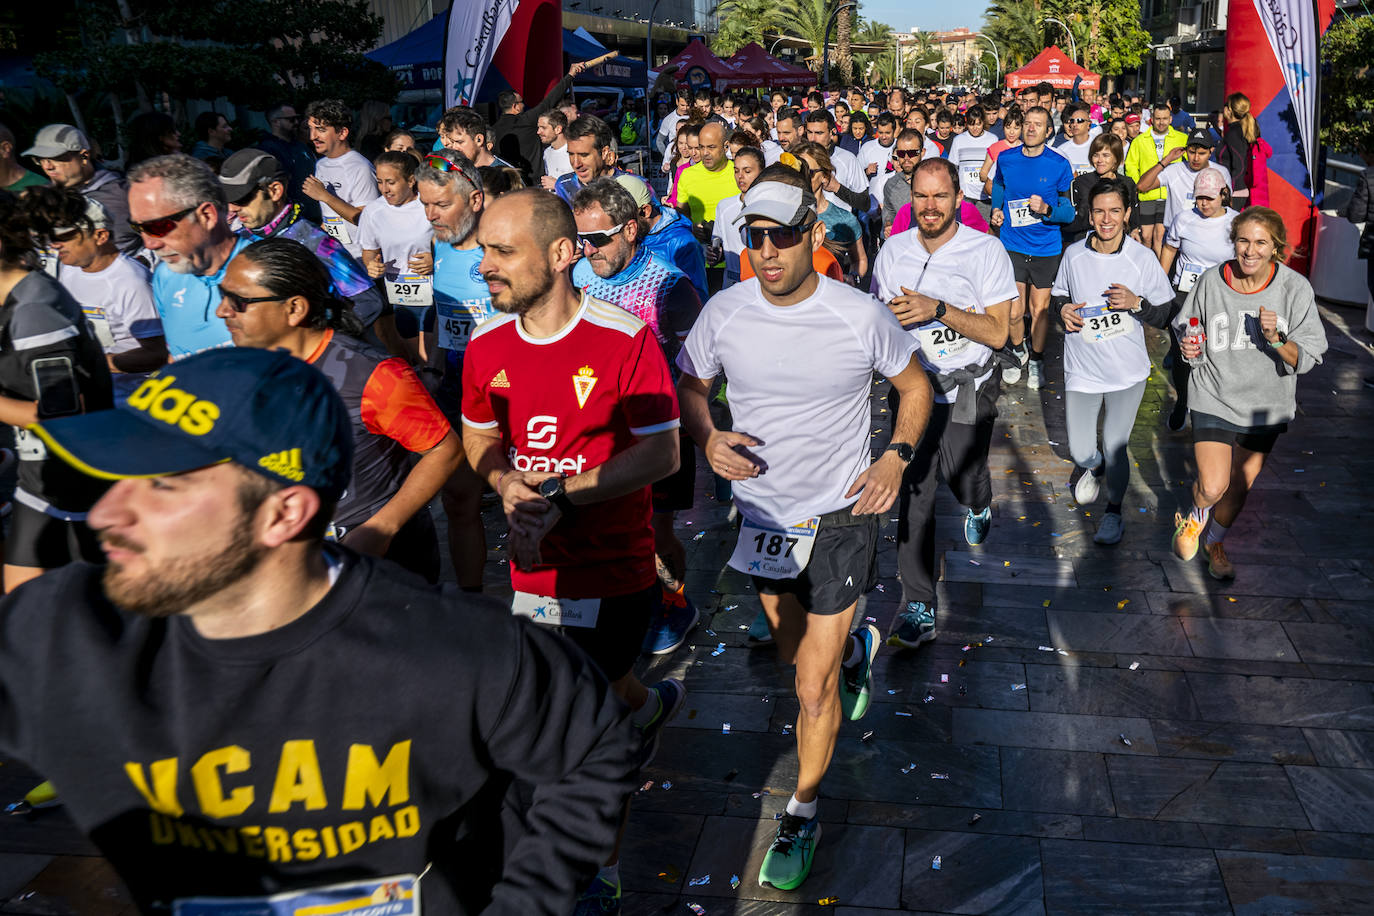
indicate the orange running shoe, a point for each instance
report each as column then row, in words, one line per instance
column 1187, row 530
column 1218, row 563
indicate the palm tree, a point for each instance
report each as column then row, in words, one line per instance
column 882, row 63
column 1017, row 27
column 806, row 19
column 845, row 29
column 743, row 21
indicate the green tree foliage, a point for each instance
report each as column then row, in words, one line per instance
column 875, row 68
column 1107, row 33
column 743, row 21
column 254, row 52
column 1347, row 85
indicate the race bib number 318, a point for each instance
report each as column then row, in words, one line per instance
column 1101, row 324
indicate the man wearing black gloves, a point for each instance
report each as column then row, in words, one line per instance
column 516, row 132
column 245, row 711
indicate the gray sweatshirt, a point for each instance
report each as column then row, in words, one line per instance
column 1239, row 376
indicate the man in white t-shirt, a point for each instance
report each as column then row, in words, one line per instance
column 1177, row 173
column 556, row 161
column 952, row 287
column 968, row 151
column 667, row 131
column 1078, row 138
column 875, row 154
column 853, row 190
column 344, row 181
column 113, row 289
column 800, row 351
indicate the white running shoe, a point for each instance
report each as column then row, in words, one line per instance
column 1035, row 374
column 1086, row 491
column 1011, row 375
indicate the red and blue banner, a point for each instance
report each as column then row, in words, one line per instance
column 498, row 35
column 1272, row 56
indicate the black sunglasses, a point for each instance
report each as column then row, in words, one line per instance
column 781, row 236
column 161, row 226
column 240, row 304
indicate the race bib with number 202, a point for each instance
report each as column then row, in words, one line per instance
column 940, row 342
column 775, row 553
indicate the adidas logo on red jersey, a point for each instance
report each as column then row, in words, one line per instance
column 500, row 381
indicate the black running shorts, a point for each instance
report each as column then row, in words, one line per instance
column 615, row 641
column 40, row 541
column 1035, row 269
column 843, row 567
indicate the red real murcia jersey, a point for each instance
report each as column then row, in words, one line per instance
column 566, row 404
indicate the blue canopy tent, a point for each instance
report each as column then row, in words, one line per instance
column 417, row 59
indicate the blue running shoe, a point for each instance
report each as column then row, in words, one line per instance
column 760, row 634
column 976, row 526
column 669, row 629
column 915, row 626
column 856, row 681
column 670, row 695
column 602, row 898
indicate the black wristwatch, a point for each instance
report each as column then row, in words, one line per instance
column 940, row 309
column 904, row 451
column 554, row 491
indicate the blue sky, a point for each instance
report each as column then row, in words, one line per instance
column 931, row 15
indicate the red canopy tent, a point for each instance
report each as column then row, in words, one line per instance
column 1055, row 67
column 696, row 63
column 752, row 60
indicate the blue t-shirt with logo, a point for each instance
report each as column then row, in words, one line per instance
column 187, row 304
column 462, row 300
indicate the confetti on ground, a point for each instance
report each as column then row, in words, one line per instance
column 725, row 728
column 731, row 607
column 894, row 692
column 1006, row 562
column 944, row 679
column 974, row 563
column 667, row 785
column 879, row 587
column 904, row 714
column 719, row 649
column 866, row 735
column 929, row 697
column 908, row 768
column 1126, row 741
column 1143, row 509
column 764, row 791
column 647, row 786
column 710, row 632
column 1018, row 686
column 734, row 881
column 1135, row 665
column 966, row 648
column 935, row 863
column 1046, row 648
column 1122, row 603
column 699, row 535
column 828, row 901
column 1230, row 599
column 939, row 776
column 697, row 908
column 1045, row 603
column 975, row 819
column 699, row 882
column 870, row 620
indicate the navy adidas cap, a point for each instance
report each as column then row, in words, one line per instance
column 263, row 409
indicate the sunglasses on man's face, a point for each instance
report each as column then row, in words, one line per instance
column 240, row 303
column 600, row 239
column 64, row 236
column 906, row 153
column 1078, row 120
column 781, row 236
column 157, row 228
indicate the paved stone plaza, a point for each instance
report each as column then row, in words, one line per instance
column 1119, row 732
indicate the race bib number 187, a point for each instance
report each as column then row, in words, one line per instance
column 775, row 553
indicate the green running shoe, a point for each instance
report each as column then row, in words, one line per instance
column 602, row 898
column 856, row 681
column 789, row 858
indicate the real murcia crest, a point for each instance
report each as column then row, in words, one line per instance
column 583, row 383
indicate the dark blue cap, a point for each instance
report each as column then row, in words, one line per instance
column 263, row 409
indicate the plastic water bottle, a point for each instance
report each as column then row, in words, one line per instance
column 1195, row 332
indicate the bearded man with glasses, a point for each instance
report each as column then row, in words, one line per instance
column 800, row 351
column 177, row 205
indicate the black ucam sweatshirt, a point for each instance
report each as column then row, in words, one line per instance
column 375, row 736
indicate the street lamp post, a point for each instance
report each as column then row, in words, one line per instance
column 995, row 56
column 649, row 62
column 1073, row 48
column 825, row 44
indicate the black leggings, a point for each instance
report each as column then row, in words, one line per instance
column 1179, row 370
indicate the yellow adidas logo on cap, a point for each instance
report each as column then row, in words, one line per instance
column 284, row 464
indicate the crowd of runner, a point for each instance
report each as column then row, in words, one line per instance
column 249, row 704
